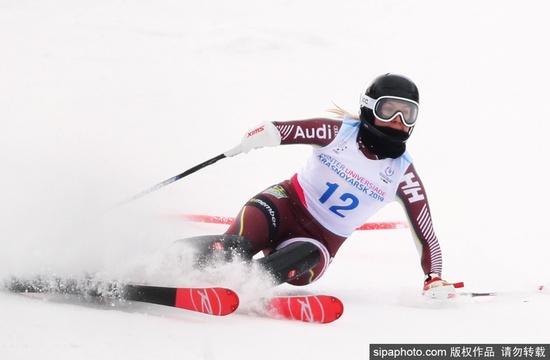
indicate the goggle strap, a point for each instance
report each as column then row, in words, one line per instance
column 367, row 101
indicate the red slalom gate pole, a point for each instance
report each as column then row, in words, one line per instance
column 225, row 220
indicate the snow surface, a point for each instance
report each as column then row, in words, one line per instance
column 102, row 99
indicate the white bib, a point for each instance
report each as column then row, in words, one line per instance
column 342, row 187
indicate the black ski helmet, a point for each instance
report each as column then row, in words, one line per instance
column 385, row 141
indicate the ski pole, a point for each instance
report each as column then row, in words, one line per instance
column 235, row 151
column 265, row 134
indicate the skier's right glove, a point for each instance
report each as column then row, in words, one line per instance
column 265, row 134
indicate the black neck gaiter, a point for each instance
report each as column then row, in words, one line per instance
column 384, row 142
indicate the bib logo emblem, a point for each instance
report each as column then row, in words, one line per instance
column 386, row 175
column 342, row 145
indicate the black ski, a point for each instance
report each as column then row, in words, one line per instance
column 209, row 300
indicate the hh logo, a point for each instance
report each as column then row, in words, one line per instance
column 412, row 188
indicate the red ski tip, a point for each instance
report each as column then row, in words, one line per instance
column 310, row 308
column 214, row 301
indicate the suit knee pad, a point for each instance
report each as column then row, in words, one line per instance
column 293, row 259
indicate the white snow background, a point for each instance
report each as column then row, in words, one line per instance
column 100, row 100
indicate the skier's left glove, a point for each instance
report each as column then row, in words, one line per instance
column 265, row 134
column 434, row 280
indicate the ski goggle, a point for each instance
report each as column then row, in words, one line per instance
column 387, row 108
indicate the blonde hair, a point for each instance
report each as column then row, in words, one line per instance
column 337, row 110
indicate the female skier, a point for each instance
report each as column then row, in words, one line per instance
column 358, row 165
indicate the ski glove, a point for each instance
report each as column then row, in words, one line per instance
column 433, row 280
column 265, row 134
